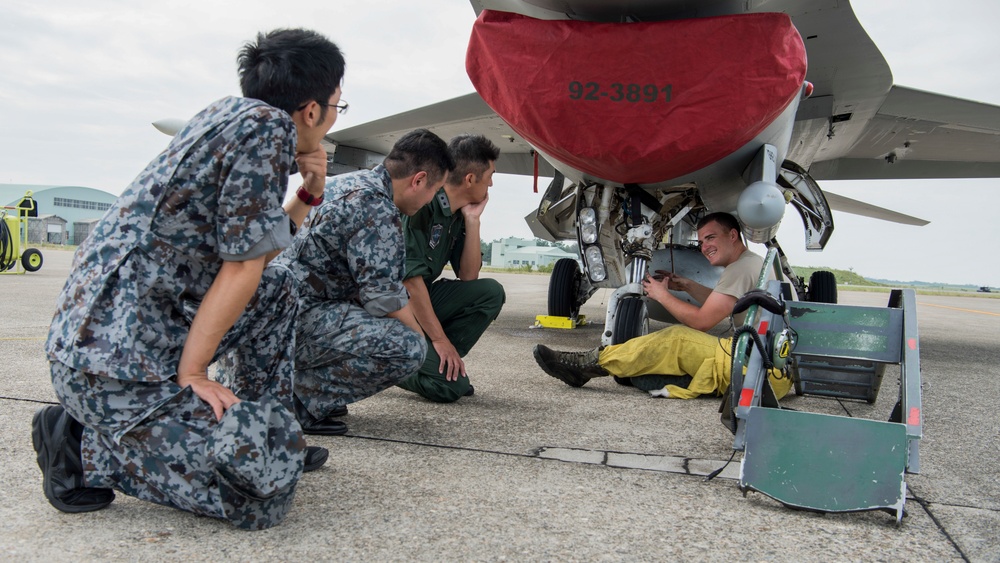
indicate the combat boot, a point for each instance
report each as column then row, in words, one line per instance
column 56, row 437
column 317, row 426
column 315, row 458
column 573, row 368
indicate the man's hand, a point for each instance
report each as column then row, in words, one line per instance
column 678, row 283
column 312, row 168
column 450, row 360
column 656, row 287
column 473, row 211
column 217, row 395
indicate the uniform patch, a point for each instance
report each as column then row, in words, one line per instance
column 436, row 232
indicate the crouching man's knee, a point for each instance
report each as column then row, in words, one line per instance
column 257, row 450
column 495, row 294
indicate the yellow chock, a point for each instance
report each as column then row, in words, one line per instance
column 547, row 321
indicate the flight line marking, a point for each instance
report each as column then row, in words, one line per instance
column 960, row 309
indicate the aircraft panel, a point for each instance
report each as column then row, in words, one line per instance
column 465, row 114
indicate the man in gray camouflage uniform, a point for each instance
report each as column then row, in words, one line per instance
column 356, row 333
column 176, row 276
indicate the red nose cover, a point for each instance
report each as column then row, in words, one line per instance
column 637, row 102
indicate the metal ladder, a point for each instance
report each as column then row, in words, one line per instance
column 820, row 462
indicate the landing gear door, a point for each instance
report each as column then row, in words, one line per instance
column 555, row 218
column 809, row 201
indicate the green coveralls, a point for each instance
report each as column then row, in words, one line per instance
column 434, row 237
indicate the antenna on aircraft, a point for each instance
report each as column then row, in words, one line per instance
column 169, row 126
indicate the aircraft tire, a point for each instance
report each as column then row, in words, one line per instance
column 564, row 285
column 631, row 320
column 31, row 260
column 823, row 287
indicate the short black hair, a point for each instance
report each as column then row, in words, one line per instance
column 471, row 153
column 286, row 68
column 419, row 150
column 727, row 220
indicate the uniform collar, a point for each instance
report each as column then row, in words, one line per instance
column 444, row 202
column 383, row 174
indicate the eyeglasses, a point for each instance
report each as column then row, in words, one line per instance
column 341, row 107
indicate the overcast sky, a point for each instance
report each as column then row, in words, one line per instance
column 82, row 81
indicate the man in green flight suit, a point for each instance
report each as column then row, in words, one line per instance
column 453, row 313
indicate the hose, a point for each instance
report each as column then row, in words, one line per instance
column 7, row 258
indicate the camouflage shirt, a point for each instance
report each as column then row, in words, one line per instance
column 137, row 280
column 353, row 250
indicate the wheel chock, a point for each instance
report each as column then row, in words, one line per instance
column 548, row 321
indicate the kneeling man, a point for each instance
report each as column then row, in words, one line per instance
column 356, row 334
column 453, row 313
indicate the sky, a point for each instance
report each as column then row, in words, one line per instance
column 82, row 82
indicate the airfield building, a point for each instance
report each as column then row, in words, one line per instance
column 65, row 214
column 518, row 252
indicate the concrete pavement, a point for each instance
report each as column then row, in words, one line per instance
column 531, row 469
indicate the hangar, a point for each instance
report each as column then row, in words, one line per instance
column 65, row 214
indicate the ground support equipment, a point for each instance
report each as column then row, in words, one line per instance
column 822, row 462
column 15, row 256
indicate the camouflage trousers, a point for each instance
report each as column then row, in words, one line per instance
column 345, row 354
column 159, row 442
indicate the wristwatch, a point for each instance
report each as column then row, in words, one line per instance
column 307, row 198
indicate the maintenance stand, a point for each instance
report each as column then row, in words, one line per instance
column 821, row 462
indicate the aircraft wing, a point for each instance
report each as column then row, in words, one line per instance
column 465, row 114
column 855, row 207
column 917, row 134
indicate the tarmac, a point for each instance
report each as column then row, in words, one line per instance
column 530, row 469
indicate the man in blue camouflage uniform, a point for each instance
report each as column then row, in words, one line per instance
column 356, row 333
column 453, row 313
column 174, row 277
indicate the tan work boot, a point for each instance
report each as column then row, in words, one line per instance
column 573, row 368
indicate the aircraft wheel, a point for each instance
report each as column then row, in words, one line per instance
column 631, row 320
column 564, row 286
column 31, row 260
column 822, row 287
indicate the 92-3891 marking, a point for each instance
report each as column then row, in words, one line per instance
column 618, row 92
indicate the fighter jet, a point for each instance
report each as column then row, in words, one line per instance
column 649, row 114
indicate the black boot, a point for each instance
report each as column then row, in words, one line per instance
column 315, row 458
column 573, row 368
column 320, row 427
column 56, row 438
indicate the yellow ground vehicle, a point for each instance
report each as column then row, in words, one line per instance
column 15, row 256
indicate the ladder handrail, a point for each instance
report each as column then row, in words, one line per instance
column 742, row 341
